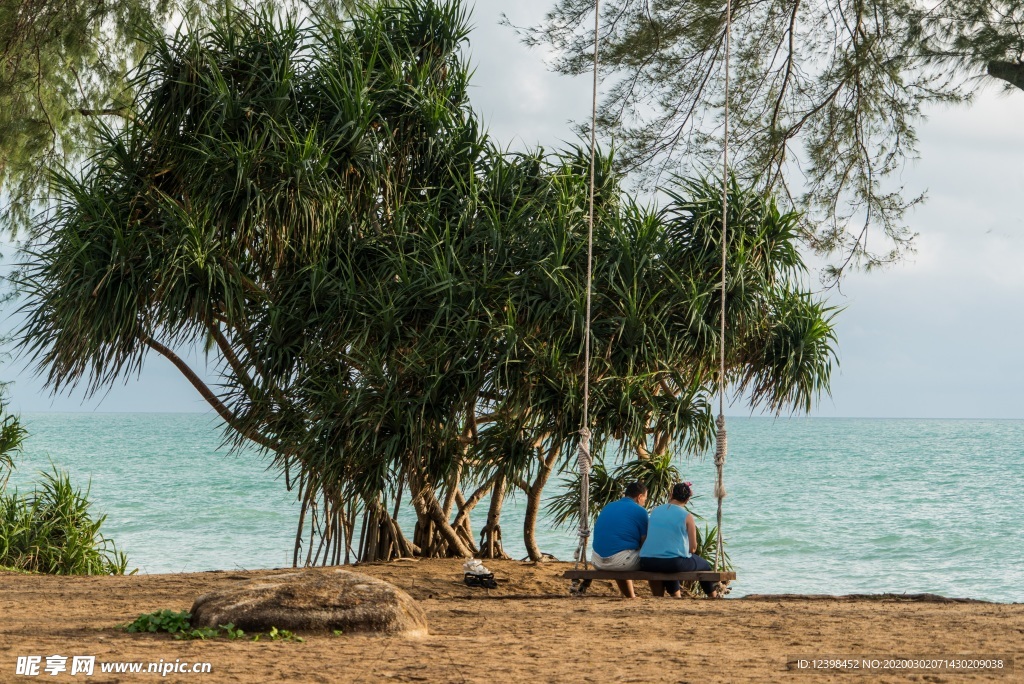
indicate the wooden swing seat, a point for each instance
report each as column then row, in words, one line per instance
column 637, row 575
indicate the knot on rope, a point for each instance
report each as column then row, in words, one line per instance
column 721, row 442
column 721, row 448
column 583, row 451
column 585, row 461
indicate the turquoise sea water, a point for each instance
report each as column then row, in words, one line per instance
column 815, row 505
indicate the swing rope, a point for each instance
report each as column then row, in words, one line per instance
column 584, row 458
column 721, row 439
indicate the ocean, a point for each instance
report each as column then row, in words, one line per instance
column 814, row 505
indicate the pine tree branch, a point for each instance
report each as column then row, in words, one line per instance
column 122, row 112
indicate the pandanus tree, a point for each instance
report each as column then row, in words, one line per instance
column 393, row 306
column 655, row 323
column 269, row 172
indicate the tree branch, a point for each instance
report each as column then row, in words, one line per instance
column 122, row 112
column 472, row 501
column 211, row 398
column 232, row 359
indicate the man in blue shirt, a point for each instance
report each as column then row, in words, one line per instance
column 619, row 532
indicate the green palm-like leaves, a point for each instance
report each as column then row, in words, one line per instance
column 52, row 530
column 393, row 304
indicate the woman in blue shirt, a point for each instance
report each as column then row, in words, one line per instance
column 671, row 534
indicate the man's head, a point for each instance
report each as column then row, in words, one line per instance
column 637, row 491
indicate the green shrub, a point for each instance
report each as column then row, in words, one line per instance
column 51, row 530
column 12, row 434
column 707, row 548
column 161, row 621
column 283, row 635
column 180, row 625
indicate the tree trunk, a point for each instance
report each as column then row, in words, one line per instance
column 490, row 535
column 461, row 522
column 453, row 493
column 323, row 512
column 434, row 533
column 533, row 502
column 350, row 531
column 1011, row 72
column 466, row 506
column 424, row 535
column 661, row 442
column 453, row 499
column 382, row 537
column 532, row 510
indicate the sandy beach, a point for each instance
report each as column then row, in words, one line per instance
column 526, row 630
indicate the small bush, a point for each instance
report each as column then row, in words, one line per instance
column 283, row 635
column 707, row 548
column 12, row 434
column 231, row 633
column 161, row 621
column 51, row 530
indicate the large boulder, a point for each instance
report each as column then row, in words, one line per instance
column 313, row 600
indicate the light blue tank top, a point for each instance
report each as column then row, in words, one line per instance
column 666, row 533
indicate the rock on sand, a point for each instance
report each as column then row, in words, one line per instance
column 313, row 600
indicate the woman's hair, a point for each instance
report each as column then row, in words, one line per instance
column 681, row 491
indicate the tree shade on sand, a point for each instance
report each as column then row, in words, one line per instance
column 394, row 305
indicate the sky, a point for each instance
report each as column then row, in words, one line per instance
column 936, row 336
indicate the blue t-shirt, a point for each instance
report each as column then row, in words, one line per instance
column 620, row 526
column 666, row 533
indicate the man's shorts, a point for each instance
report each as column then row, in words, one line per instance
column 623, row 561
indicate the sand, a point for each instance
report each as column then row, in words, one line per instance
column 527, row 630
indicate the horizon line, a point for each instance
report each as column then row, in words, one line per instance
column 213, row 414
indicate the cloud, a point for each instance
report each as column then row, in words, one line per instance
column 938, row 335
column 523, row 103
